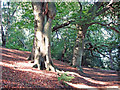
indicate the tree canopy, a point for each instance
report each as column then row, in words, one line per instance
column 92, row 26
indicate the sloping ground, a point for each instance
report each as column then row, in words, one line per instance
column 17, row 73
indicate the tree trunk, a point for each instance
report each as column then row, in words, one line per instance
column 5, row 33
column 2, row 32
column 63, row 52
column 3, row 37
column 111, row 59
column 43, row 20
column 119, row 44
column 31, row 56
column 119, row 57
column 79, row 47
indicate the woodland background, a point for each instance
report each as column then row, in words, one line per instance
column 102, row 39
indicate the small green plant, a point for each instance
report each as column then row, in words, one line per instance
column 65, row 77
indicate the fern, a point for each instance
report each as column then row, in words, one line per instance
column 65, row 77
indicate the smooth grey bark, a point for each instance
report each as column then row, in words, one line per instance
column 2, row 32
column 43, row 20
column 79, row 47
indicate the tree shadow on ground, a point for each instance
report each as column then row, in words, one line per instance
column 12, row 78
column 16, row 75
column 27, row 77
column 15, row 52
column 93, row 76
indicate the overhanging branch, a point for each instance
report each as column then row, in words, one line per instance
column 61, row 26
column 104, row 9
column 106, row 25
column 94, row 48
column 80, row 9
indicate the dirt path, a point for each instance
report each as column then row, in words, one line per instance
column 17, row 73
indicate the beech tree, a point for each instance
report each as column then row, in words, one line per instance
column 99, row 8
column 44, row 13
column 83, row 19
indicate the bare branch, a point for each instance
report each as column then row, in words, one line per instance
column 14, row 12
column 105, row 9
column 93, row 48
column 110, row 3
column 100, row 52
column 80, row 9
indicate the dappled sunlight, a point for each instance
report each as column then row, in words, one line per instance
column 15, row 65
column 101, row 74
column 94, row 81
column 14, row 51
column 20, row 73
column 99, row 70
column 18, row 67
column 71, row 68
column 24, row 64
column 93, row 76
column 6, row 64
column 63, row 65
column 39, row 72
column 12, row 56
column 79, row 85
column 26, row 78
column 88, row 87
column 59, row 65
column 88, row 79
column 87, row 68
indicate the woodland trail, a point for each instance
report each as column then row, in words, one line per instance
column 17, row 73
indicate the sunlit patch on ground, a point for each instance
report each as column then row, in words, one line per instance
column 86, row 86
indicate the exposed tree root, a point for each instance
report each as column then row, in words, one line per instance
column 32, row 61
column 29, row 58
column 52, row 68
column 35, row 66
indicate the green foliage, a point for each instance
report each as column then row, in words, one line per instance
column 21, row 28
column 15, row 46
column 21, row 32
column 64, row 41
column 65, row 77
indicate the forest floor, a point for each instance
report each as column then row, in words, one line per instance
column 17, row 73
